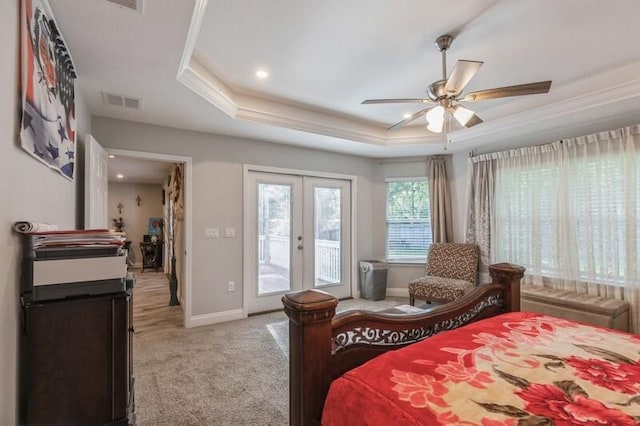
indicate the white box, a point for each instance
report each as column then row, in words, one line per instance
column 61, row 271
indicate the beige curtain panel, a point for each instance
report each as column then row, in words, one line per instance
column 480, row 201
column 441, row 221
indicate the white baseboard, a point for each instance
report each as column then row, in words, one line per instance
column 397, row 292
column 216, row 317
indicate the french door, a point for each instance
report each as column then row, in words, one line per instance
column 299, row 237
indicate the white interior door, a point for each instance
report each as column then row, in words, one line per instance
column 298, row 237
column 96, row 185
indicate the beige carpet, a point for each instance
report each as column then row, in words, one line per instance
column 233, row 373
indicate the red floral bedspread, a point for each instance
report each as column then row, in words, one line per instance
column 514, row 369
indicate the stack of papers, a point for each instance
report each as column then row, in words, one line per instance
column 78, row 238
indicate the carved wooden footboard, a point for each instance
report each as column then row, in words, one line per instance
column 322, row 345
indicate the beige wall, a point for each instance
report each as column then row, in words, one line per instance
column 218, row 195
column 29, row 191
column 136, row 218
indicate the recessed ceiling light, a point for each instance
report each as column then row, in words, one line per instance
column 119, row 176
column 407, row 115
column 262, row 74
column 112, row 156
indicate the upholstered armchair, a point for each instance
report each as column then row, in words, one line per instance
column 451, row 271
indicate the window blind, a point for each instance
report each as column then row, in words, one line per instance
column 408, row 219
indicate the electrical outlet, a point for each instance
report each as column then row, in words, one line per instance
column 231, row 286
column 230, row 232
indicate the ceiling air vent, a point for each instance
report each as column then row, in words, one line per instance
column 114, row 99
column 135, row 5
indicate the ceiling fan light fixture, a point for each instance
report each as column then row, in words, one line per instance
column 435, row 114
column 447, row 91
column 462, row 114
column 435, row 119
column 435, row 127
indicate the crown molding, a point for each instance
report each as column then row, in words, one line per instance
column 204, row 83
column 192, row 35
column 197, row 77
column 308, row 120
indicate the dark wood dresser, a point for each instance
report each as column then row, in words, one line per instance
column 76, row 361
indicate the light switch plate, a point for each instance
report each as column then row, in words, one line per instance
column 230, row 232
column 212, row 233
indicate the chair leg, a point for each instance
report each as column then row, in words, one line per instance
column 412, row 300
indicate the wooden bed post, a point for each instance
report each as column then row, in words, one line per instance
column 310, row 313
column 509, row 276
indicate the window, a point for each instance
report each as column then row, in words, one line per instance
column 525, row 217
column 573, row 219
column 408, row 219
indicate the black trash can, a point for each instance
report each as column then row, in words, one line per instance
column 373, row 279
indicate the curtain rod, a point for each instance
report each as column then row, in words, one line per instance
column 411, row 159
column 591, row 137
column 474, row 151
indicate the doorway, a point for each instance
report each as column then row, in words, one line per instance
column 298, row 236
column 183, row 249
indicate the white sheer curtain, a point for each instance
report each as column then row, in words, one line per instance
column 568, row 211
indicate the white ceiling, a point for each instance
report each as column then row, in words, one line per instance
column 193, row 63
column 135, row 170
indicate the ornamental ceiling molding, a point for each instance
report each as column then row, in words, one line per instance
column 193, row 74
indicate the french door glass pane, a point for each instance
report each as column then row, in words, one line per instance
column 274, row 238
column 327, row 233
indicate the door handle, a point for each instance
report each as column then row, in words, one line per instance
column 300, row 247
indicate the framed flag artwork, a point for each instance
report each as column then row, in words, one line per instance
column 48, row 130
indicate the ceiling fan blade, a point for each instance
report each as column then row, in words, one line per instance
column 504, row 92
column 409, row 119
column 397, row 101
column 462, row 73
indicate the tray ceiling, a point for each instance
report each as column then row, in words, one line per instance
column 194, row 64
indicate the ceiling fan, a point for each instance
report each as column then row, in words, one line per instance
column 446, row 94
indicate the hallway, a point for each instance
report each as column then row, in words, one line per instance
column 151, row 310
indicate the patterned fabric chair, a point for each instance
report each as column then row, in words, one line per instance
column 451, row 271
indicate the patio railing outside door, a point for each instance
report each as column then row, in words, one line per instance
column 274, row 251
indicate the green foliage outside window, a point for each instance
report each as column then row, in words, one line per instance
column 408, row 220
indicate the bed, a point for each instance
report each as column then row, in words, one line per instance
column 499, row 366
